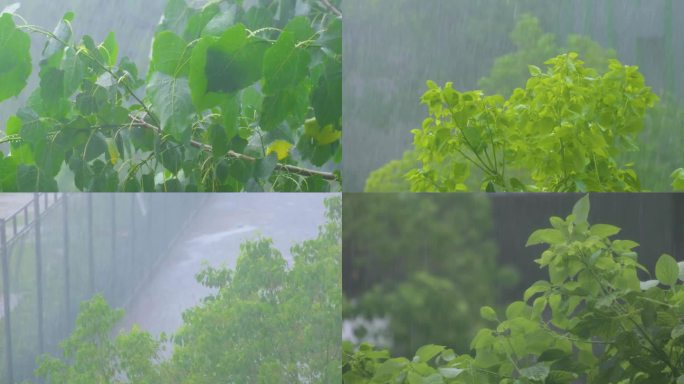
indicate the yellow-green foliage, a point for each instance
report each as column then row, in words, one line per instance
column 390, row 177
column 561, row 132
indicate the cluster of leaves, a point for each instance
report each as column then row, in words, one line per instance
column 593, row 320
column 267, row 323
column 405, row 275
column 562, row 132
column 658, row 143
column 236, row 98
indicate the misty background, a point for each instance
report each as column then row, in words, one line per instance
column 142, row 252
column 391, row 47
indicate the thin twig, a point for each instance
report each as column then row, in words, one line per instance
column 331, row 7
column 281, row 167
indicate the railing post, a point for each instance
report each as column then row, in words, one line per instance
column 131, row 238
column 115, row 268
column 91, row 261
column 39, row 270
column 67, row 277
column 6, row 301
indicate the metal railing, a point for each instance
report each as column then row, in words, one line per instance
column 60, row 249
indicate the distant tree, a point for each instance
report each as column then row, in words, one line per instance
column 267, row 323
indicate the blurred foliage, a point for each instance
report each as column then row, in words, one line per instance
column 660, row 145
column 390, row 177
column 593, row 321
column 267, row 323
column 533, row 47
column 407, row 257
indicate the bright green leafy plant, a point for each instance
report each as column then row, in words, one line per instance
column 658, row 143
column 267, row 323
column 562, row 132
column 236, row 98
column 593, row 320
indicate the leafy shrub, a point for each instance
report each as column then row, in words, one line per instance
column 562, row 132
column 237, row 97
column 267, row 323
column 593, row 321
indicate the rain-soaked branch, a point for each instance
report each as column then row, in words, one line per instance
column 280, row 167
column 331, row 8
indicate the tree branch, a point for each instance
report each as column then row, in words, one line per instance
column 280, row 167
column 331, row 8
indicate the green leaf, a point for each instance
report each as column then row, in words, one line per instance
column 52, row 89
column 603, row 230
column 218, row 140
column 648, row 284
column 231, row 114
column 677, row 331
column 284, row 65
column 581, row 210
column 30, row 179
column 427, row 352
column 534, row 70
column 289, row 103
column 450, row 373
column 488, row 313
column 300, row 27
column 326, row 97
column 176, row 15
column 537, row 372
column 681, row 270
column 73, row 69
column 219, row 23
column 678, row 180
column 63, row 32
column 171, row 156
column 547, row 235
column 15, row 58
column 171, row 101
column 224, row 65
column 110, row 49
column 8, row 174
column 540, row 286
column 95, row 146
column 332, row 37
column 170, row 54
column 264, row 167
column 552, row 355
column 667, row 270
